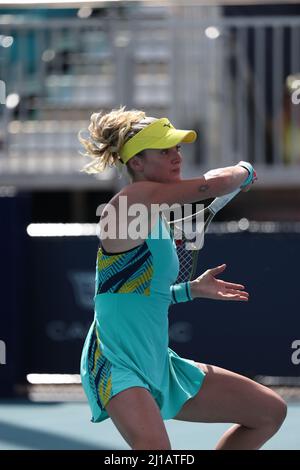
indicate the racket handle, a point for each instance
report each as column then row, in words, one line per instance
column 251, row 171
column 221, row 201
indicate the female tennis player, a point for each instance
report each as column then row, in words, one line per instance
column 128, row 371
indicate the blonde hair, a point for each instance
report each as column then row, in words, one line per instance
column 107, row 134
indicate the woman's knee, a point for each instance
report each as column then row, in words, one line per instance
column 274, row 411
column 151, row 443
column 149, row 438
column 279, row 410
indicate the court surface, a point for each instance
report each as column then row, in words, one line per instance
column 29, row 425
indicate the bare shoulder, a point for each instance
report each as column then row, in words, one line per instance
column 141, row 191
column 115, row 218
column 133, row 193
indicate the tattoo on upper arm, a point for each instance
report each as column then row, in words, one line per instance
column 203, row 188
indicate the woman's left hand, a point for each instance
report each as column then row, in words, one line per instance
column 207, row 286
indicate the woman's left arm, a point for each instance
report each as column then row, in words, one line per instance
column 209, row 287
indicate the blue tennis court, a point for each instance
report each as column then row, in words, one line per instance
column 66, row 426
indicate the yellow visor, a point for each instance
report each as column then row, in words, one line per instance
column 159, row 134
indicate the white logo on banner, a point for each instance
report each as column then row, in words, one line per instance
column 58, row 330
column 181, row 332
column 83, row 285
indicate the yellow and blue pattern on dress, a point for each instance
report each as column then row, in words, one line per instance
column 99, row 372
column 128, row 272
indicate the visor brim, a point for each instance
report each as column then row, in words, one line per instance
column 172, row 138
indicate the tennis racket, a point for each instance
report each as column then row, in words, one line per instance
column 188, row 234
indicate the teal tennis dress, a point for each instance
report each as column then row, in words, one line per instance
column 127, row 344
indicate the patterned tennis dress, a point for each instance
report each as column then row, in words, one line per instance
column 127, row 344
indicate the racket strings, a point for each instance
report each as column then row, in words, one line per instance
column 187, row 248
column 187, row 257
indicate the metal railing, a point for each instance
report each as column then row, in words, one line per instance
column 225, row 77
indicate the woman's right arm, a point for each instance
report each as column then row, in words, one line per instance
column 212, row 184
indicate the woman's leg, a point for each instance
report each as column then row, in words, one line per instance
column 137, row 417
column 226, row 397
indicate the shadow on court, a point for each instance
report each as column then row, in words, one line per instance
column 22, row 436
